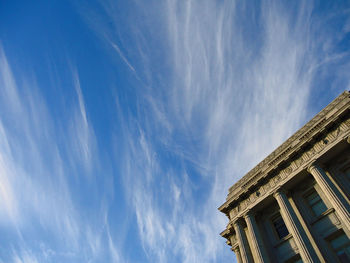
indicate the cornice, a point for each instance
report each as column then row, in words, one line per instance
column 291, row 147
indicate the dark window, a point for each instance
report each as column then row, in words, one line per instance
column 341, row 246
column 315, row 203
column 295, row 259
column 298, row 261
column 280, row 227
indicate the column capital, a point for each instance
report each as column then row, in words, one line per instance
column 236, row 224
column 280, row 190
column 237, row 221
column 313, row 165
column 249, row 214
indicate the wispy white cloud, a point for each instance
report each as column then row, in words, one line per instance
column 229, row 81
column 114, row 250
column 24, row 257
column 115, row 46
column 219, row 84
column 82, row 137
column 38, row 155
column 32, row 179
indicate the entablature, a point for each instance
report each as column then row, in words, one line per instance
column 324, row 131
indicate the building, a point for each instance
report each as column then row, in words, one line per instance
column 294, row 205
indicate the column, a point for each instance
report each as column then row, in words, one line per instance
column 238, row 254
column 259, row 252
column 338, row 202
column 242, row 242
column 294, row 227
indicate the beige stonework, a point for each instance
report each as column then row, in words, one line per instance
column 307, row 219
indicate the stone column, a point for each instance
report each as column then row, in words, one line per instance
column 294, row 227
column 340, row 205
column 258, row 249
column 238, row 254
column 242, row 242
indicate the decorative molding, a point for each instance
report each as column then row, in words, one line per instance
column 248, row 213
column 303, row 161
column 312, row 166
column 298, row 150
column 236, row 248
column 305, row 133
column 278, row 191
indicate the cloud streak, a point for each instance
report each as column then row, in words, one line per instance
column 236, row 81
column 37, row 156
column 125, row 155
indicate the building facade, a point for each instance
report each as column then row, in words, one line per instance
column 294, row 205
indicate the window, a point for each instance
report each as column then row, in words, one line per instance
column 295, row 259
column 298, row 261
column 280, row 227
column 315, row 203
column 347, row 174
column 341, row 246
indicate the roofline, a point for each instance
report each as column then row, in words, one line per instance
column 289, row 147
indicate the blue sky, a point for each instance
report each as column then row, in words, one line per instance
column 124, row 123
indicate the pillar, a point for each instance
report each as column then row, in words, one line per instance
column 338, row 202
column 259, row 252
column 294, row 227
column 242, row 242
column 238, row 254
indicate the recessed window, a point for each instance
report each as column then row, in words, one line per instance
column 315, row 203
column 295, row 259
column 347, row 174
column 341, row 246
column 299, row 260
column 280, row 227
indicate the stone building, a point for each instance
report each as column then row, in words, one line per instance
column 294, row 205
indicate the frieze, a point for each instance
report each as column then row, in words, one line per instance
column 279, row 157
column 288, row 171
column 347, row 123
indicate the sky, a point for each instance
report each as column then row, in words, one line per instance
column 124, row 123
